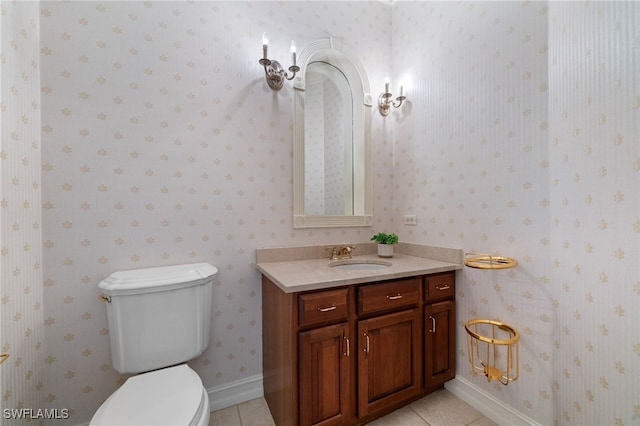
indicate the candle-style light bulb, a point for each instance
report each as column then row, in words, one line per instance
column 386, row 85
column 293, row 52
column 401, row 89
column 265, row 45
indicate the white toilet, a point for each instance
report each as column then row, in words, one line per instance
column 158, row 319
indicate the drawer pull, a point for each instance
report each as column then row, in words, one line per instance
column 328, row 308
column 394, row 297
column 444, row 287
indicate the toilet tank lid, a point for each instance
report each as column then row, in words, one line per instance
column 159, row 277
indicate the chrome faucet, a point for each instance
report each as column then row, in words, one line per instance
column 341, row 252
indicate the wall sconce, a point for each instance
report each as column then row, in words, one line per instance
column 273, row 71
column 385, row 102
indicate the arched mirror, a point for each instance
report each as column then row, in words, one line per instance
column 332, row 152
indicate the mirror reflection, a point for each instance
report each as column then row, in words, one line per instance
column 328, row 167
column 332, row 154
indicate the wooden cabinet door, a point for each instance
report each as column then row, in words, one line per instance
column 324, row 376
column 389, row 360
column 439, row 343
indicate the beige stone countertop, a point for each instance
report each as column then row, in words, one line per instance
column 312, row 274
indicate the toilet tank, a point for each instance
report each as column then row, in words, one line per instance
column 158, row 317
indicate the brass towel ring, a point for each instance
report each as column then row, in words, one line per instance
column 487, row 261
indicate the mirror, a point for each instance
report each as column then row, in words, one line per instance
column 328, row 142
column 332, row 153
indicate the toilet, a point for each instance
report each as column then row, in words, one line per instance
column 159, row 318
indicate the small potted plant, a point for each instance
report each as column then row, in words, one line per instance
column 385, row 243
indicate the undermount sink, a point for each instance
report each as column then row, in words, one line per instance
column 359, row 264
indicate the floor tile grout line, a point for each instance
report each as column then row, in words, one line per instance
column 474, row 420
column 239, row 415
column 420, row 417
column 250, row 420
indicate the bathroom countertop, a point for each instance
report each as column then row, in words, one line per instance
column 312, row 274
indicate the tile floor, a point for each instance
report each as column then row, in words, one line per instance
column 440, row 408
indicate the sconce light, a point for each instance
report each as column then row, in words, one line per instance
column 273, row 71
column 385, row 102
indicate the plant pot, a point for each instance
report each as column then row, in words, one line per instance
column 385, row 250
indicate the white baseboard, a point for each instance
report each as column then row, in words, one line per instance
column 487, row 404
column 235, row 393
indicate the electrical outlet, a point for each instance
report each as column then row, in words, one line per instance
column 410, row 219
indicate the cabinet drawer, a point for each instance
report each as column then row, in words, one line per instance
column 383, row 297
column 440, row 286
column 322, row 307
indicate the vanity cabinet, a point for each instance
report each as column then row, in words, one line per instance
column 347, row 355
column 324, row 375
column 439, row 326
column 389, row 367
column 324, row 351
column 389, row 349
column 439, row 344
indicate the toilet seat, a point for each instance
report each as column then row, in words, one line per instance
column 172, row 396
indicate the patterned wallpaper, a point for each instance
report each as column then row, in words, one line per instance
column 161, row 144
column 21, row 294
column 595, row 219
column 522, row 139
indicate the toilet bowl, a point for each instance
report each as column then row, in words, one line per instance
column 159, row 318
column 172, row 396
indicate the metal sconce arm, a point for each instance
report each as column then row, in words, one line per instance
column 385, row 102
column 275, row 73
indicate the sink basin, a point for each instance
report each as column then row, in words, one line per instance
column 360, row 265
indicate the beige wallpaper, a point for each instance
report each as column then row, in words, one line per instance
column 21, row 295
column 161, row 144
column 595, row 215
column 523, row 140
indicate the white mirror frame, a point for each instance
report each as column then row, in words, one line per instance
column 320, row 48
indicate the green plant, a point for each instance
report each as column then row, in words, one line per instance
column 382, row 238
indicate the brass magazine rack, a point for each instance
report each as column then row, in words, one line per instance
column 493, row 350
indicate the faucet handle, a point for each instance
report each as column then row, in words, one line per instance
column 346, row 251
column 334, row 253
